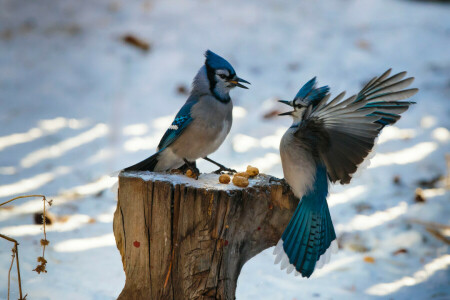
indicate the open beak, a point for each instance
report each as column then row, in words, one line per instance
column 288, row 113
column 236, row 81
column 287, row 102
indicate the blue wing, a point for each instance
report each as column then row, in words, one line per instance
column 344, row 131
column 380, row 93
column 179, row 124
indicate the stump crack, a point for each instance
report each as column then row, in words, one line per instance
column 124, row 243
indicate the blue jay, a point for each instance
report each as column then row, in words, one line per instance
column 203, row 122
column 327, row 142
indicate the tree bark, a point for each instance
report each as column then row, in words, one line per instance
column 186, row 239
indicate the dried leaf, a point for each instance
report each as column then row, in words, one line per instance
column 369, row 259
column 271, row 114
column 41, row 260
column 419, row 197
column 136, row 42
column 400, row 251
column 182, row 90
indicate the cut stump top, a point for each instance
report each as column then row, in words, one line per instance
column 208, row 181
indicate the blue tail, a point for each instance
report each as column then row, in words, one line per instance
column 148, row 164
column 310, row 231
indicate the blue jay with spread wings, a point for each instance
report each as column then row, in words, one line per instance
column 202, row 124
column 327, row 142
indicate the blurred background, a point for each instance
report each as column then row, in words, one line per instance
column 89, row 87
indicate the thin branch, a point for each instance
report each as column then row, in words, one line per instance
column 20, row 197
column 44, row 242
column 18, row 272
column 10, row 268
column 15, row 249
column 429, row 224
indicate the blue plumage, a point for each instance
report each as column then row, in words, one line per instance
column 309, row 94
column 216, row 62
column 316, row 95
column 389, row 112
column 310, row 231
column 181, row 121
column 306, row 89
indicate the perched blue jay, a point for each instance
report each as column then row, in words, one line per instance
column 203, row 122
column 327, row 142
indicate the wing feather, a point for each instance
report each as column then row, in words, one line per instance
column 179, row 124
column 343, row 132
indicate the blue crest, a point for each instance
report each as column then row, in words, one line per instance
column 306, row 89
column 216, row 62
column 310, row 94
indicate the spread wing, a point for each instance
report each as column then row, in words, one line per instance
column 179, row 124
column 343, row 132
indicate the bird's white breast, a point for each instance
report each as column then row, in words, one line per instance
column 298, row 164
column 210, row 126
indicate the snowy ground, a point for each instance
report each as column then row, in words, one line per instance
column 77, row 103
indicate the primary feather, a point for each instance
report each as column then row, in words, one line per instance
column 352, row 125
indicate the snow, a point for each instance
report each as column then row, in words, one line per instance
column 77, row 104
column 207, row 181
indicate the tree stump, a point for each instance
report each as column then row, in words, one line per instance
column 181, row 238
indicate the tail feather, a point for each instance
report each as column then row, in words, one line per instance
column 312, row 240
column 296, row 229
column 147, row 164
column 310, row 233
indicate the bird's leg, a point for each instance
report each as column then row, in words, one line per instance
column 193, row 167
column 222, row 167
column 282, row 181
column 183, row 168
column 275, row 179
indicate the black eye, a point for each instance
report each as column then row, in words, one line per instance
column 222, row 76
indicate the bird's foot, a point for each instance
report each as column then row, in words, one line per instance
column 182, row 169
column 190, row 169
column 195, row 172
column 279, row 180
column 224, row 169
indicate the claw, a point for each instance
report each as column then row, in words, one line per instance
column 274, row 179
column 286, row 187
column 224, row 169
column 191, row 166
column 196, row 172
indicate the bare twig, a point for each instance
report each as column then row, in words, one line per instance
column 18, row 272
column 437, row 234
column 434, row 229
column 429, row 224
column 44, row 242
column 10, row 268
column 20, row 197
column 15, row 249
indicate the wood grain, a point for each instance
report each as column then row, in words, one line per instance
column 182, row 241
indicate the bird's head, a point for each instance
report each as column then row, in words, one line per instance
column 299, row 108
column 307, row 98
column 221, row 76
